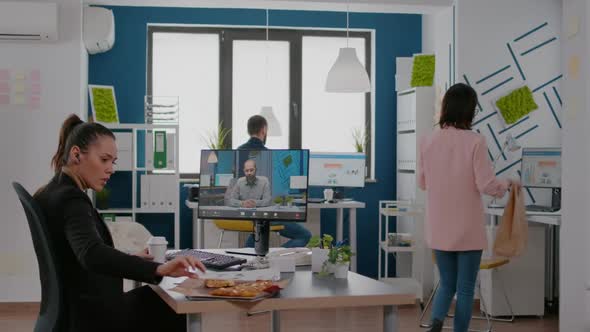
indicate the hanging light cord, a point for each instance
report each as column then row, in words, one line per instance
column 347, row 20
column 266, row 62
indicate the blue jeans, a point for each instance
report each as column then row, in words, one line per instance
column 298, row 235
column 458, row 274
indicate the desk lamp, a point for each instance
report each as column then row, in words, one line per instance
column 512, row 145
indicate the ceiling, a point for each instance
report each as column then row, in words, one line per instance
column 379, row 6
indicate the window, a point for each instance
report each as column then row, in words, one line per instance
column 227, row 75
column 345, row 110
column 187, row 65
column 255, row 65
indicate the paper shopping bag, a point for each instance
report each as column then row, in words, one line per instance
column 512, row 234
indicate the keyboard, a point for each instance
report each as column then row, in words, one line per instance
column 315, row 200
column 210, row 260
column 540, row 208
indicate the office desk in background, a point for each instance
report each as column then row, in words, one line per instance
column 308, row 303
column 532, row 276
column 340, row 207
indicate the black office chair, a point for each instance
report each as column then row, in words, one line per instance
column 52, row 316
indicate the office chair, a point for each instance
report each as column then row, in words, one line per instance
column 52, row 316
column 244, row 226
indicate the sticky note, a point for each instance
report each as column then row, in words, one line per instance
column 18, row 99
column 18, row 87
column 36, row 88
column 4, row 75
column 35, row 75
column 4, row 99
column 4, row 87
column 573, row 67
column 573, row 26
column 19, row 75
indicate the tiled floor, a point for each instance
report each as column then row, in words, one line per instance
column 24, row 322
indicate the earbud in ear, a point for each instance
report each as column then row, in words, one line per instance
column 77, row 158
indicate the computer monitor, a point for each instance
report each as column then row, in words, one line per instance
column 541, row 167
column 256, row 185
column 337, row 169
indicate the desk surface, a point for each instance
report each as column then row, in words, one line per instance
column 306, row 290
column 550, row 218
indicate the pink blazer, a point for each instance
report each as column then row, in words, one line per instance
column 455, row 170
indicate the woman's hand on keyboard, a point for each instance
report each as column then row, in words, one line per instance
column 180, row 266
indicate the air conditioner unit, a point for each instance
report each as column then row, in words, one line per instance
column 99, row 29
column 28, row 21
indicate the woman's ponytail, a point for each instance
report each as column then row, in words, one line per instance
column 57, row 162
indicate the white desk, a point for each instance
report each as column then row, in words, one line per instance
column 340, row 206
column 308, row 303
column 552, row 220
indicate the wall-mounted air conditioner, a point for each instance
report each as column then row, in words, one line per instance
column 28, row 21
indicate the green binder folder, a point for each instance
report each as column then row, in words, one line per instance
column 160, row 149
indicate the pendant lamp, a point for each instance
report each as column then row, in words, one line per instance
column 347, row 74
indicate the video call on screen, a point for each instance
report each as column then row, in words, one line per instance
column 254, row 184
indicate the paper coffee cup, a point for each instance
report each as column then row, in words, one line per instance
column 157, row 246
column 328, row 194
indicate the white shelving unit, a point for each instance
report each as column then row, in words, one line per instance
column 389, row 212
column 172, row 172
column 415, row 118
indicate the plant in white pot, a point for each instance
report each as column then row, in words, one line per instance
column 320, row 247
column 339, row 257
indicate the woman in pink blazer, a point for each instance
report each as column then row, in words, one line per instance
column 455, row 170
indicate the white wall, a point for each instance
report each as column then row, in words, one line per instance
column 484, row 29
column 437, row 39
column 575, row 262
column 29, row 138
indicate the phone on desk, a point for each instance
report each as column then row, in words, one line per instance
column 302, row 255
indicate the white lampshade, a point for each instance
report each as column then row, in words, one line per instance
column 274, row 127
column 348, row 74
column 212, row 159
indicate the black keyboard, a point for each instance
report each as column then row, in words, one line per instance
column 540, row 208
column 210, row 260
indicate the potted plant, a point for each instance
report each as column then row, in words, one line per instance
column 217, row 140
column 361, row 139
column 102, row 199
column 288, row 200
column 320, row 248
column 278, row 200
column 339, row 257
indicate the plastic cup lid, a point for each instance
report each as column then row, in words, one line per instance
column 157, row 240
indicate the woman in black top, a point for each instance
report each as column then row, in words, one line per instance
column 92, row 268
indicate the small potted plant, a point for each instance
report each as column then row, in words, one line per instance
column 339, row 257
column 288, row 200
column 278, row 200
column 320, row 248
column 102, row 199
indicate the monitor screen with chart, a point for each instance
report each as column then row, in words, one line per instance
column 541, row 167
column 254, row 184
column 342, row 169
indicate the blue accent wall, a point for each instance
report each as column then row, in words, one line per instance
column 396, row 35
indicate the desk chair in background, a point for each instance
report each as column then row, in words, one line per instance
column 244, row 226
column 53, row 313
column 485, row 264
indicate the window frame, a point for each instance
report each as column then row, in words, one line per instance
column 227, row 34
